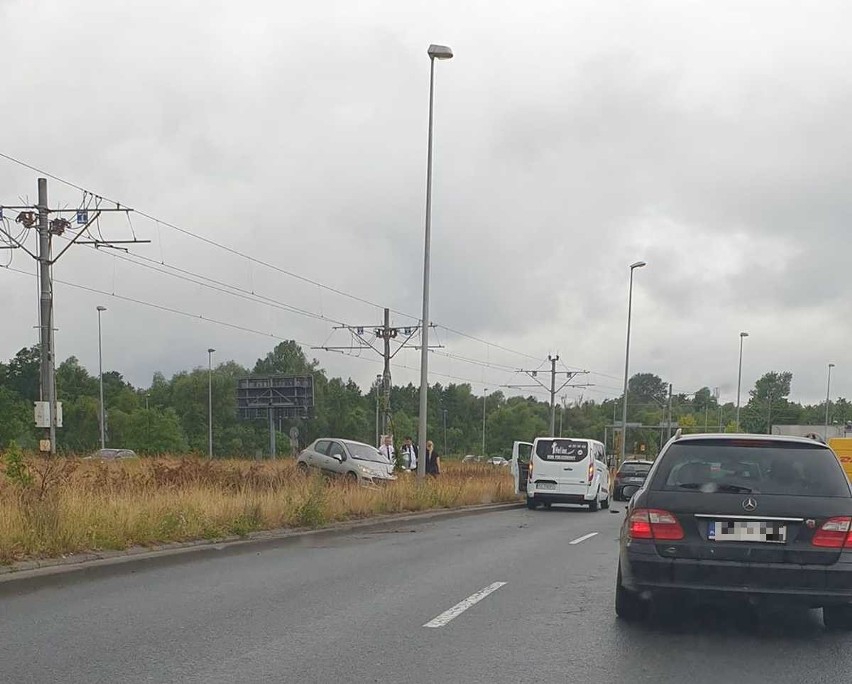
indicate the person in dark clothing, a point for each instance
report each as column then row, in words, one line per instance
column 433, row 460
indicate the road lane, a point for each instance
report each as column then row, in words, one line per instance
column 353, row 609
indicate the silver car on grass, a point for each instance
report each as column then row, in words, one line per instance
column 355, row 461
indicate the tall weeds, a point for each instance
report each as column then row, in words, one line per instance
column 52, row 507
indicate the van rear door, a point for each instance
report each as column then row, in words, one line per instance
column 565, row 463
column 521, row 453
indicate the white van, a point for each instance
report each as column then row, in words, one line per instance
column 561, row 470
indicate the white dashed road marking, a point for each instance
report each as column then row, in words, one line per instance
column 583, row 538
column 462, row 606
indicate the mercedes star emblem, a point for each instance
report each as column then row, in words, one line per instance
column 750, row 503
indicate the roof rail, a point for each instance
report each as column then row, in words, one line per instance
column 815, row 436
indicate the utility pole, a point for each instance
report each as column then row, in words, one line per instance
column 769, row 416
column 552, row 389
column 386, row 333
column 669, row 420
column 444, row 414
column 561, row 414
column 38, row 217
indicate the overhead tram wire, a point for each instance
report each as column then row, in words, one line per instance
column 227, row 324
column 260, row 262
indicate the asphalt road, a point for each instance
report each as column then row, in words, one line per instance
column 353, row 609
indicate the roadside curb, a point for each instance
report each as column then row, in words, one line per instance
column 29, row 575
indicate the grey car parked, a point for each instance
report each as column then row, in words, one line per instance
column 355, row 461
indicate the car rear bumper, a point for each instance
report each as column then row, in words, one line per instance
column 558, row 497
column 646, row 572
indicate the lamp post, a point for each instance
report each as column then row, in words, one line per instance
column 743, row 335
column 434, row 52
column 484, row 399
column 444, row 413
column 633, row 267
column 376, row 387
column 827, row 400
column 210, row 402
column 100, row 310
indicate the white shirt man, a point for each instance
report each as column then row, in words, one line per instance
column 387, row 450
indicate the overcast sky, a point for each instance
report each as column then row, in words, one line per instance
column 710, row 139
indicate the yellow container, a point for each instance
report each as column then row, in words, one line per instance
column 842, row 446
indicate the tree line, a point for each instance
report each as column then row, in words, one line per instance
column 171, row 415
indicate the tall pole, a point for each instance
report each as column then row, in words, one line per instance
column 484, row 398
column 633, row 267
column 271, row 433
column 210, row 402
column 669, row 418
column 376, row 386
column 434, row 52
column 553, row 360
column 827, row 399
column 444, row 412
column 561, row 415
column 47, row 385
column 769, row 415
column 148, row 424
column 743, row 335
column 101, row 309
column 386, row 376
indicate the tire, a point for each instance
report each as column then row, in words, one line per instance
column 531, row 503
column 595, row 504
column 628, row 606
column 303, row 469
column 351, row 478
column 605, row 503
column 837, row 618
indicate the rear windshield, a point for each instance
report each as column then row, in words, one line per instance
column 635, row 469
column 751, row 466
column 562, row 449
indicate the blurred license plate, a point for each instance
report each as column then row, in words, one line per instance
column 747, row 531
column 545, row 485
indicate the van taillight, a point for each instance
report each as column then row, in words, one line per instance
column 834, row 533
column 651, row 523
column 529, row 471
column 591, row 472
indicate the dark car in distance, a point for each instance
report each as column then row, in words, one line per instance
column 631, row 473
column 750, row 518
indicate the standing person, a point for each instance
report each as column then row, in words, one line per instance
column 387, row 449
column 409, row 454
column 433, row 460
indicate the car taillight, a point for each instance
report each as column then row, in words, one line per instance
column 835, row 533
column 591, row 472
column 529, row 471
column 651, row 523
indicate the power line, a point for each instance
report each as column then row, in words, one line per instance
column 265, row 264
column 227, row 324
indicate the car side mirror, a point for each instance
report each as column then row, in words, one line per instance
column 339, row 457
column 629, row 491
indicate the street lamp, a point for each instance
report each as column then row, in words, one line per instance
column 444, row 413
column 210, row 402
column 827, row 400
column 484, row 399
column 376, row 387
column 633, row 267
column 434, row 52
column 743, row 335
column 100, row 310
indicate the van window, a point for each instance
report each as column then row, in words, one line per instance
column 572, row 450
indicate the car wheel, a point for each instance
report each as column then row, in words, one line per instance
column 351, row 478
column 837, row 618
column 302, row 467
column 628, row 606
column 605, row 503
column 531, row 503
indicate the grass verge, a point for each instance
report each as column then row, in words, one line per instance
column 64, row 506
